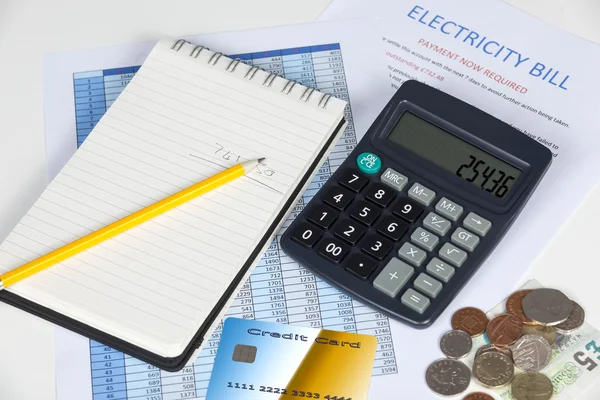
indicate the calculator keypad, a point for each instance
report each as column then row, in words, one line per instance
column 393, row 234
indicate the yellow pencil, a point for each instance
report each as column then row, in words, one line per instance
column 117, row 227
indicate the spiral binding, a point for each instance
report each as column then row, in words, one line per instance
column 287, row 89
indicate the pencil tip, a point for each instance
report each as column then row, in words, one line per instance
column 261, row 159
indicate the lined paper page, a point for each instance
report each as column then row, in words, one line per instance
column 179, row 121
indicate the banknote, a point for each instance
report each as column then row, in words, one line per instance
column 575, row 365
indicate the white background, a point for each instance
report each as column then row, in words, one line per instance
column 31, row 28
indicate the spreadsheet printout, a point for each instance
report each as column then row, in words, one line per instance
column 278, row 290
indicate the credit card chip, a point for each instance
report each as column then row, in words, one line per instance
column 244, row 353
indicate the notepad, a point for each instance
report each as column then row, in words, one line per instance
column 158, row 289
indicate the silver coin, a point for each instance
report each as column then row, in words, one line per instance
column 574, row 322
column 493, row 369
column 448, row 377
column 456, row 344
column 547, row 306
column 532, row 353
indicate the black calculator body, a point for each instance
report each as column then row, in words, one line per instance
column 419, row 204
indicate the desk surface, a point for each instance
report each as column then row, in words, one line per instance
column 29, row 28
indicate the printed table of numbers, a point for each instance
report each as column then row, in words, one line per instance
column 279, row 290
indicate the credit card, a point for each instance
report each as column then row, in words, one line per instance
column 269, row 361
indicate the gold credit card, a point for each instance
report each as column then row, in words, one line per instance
column 265, row 360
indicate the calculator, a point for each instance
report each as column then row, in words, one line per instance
column 418, row 205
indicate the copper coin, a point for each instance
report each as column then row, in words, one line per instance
column 478, row 396
column 504, row 329
column 471, row 320
column 514, row 306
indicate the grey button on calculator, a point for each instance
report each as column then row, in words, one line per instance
column 453, row 254
column 394, row 179
column 412, row 254
column 439, row 225
column 393, row 277
column 421, row 194
column 477, row 224
column 448, row 209
column 428, row 285
column 415, row 300
column 424, row 239
column 440, row 269
column 465, row 239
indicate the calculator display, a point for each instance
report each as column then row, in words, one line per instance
column 455, row 155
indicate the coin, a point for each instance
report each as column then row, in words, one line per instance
column 574, row 322
column 547, row 332
column 531, row 386
column 547, row 306
column 490, row 347
column 493, row 369
column 456, row 344
column 532, row 353
column 478, row 396
column 471, row 320
column 514, row 306
column 504, row 329
column 448, row 377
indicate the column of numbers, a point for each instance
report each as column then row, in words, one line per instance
column 90, row 103
column 108, row 372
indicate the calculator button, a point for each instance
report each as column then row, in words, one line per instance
column 307, row 235
column 376, row 246
column 349, row 231
column 448, row 209
column 393, row 277
column 380, row 194
column 440, row 269
column 394, row 179
column 477, row 224
column 333, row 250
column 424, row 239
column 415, row 300
column 465, row 239
column 407, row 209
column 435, row 223
column 364, row 212
column 428, row 285
column 338, row 197
column 421, row 194
column 392, row 228
column 453, row 254
column 412, row 254
column 368, row 163
column 323, row 216
column 352, row 180
column 360, row 265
